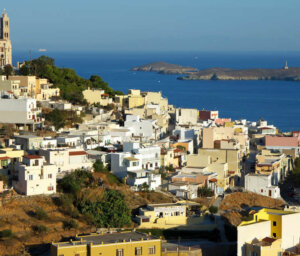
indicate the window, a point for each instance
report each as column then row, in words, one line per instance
column 274, row 234
column 77, row 254
column 274, row 223
column 50, row 176
column 151, row 250
column 50, row 188
column 261, row 190
column 138, row 251
column 120, row 252
column 30, row 177
column 156, row 164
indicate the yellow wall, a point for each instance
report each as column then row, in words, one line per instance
column 271, row 215
column 106, row 249
column 163, row 222
column 273, row 250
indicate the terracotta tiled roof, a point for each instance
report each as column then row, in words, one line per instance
column 77, row 153
column 4, row 158
column 33, row 157
column 269, row 240
column 213, row 180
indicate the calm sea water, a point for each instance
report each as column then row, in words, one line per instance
column 276, row 101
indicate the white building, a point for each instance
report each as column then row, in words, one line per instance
column 141, row 127
column 186, row 116
column 149, row 155
column 34, row 177
column 140, row 177
column 66, row 159
column 70, row 141
column 261, row 184
column 185, row 190
column 138, row 161
column 21, row 112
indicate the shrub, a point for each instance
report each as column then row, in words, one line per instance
column 40, row 214
column 99, row 167
column 69, row 224
column 213, row 209
column 5, row 233
column 205, row 192
column 39, row 229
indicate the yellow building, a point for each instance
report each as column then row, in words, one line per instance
column 32, row 86
column 269, row 232
column 10, row 156
column 109, row 244
column 93, row 96
column 162, row 216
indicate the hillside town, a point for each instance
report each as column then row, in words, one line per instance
column 167, row 180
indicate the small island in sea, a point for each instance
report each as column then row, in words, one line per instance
column 191, row 73
column 165, row 68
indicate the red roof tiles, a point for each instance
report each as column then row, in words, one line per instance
column 4, row 158
column 33, row 157
column 77, row 153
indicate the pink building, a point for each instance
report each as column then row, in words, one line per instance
column 222, row 121
column 281, row 142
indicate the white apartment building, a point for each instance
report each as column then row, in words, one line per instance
column 21, row 112
column 67, row 159
column 261, row 184
column 140, row 177
column 144, row 128
column 148, row 155
column 33, row 176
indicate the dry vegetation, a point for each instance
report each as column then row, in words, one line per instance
column 235, row 205
column 17, row 215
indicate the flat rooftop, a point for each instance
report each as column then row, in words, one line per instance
column 107, row 238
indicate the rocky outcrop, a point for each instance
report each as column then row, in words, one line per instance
column 165, row 68
column 190, row 73
column 291, row 74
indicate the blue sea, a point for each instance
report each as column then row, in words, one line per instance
column 278, row 102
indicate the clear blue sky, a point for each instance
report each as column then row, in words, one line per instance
column 155, row 25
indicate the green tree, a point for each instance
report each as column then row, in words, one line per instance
column 144, row 187
column 8, row 70
column 116, row 212
column 57, row 118
column 99, row 167
column 213, row 209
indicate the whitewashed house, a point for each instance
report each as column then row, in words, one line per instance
column 22, row 112
column 145, row 128
column 140, row 177
column 261, row 184
column 67, row 159
column 33, row 176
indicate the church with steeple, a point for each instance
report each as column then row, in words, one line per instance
column 5, row 44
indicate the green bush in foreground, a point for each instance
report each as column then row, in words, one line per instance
column 5, row 233
column 40, row 214
column 213, row 209
column 39, row 229
column 70, row 224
